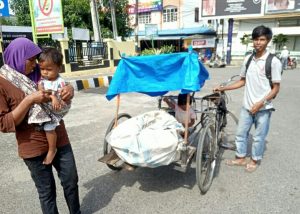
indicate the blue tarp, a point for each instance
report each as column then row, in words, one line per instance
column 155, row 75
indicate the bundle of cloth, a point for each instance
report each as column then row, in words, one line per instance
column 151, row 139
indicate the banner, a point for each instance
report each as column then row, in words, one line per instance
column 203, row 43
column 146, row 6
column 232, row 8
column 151, row 30
column 282, row 6
column 47, row 16
column 4, row 8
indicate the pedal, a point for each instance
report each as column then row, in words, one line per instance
column 228, row 146
column 191, row 152
column 180, row 167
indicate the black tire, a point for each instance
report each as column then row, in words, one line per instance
column 228, row 133
column 205, row 159
column 106, row 147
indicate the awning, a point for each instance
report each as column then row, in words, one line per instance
column 182, row 32
column 161, row 38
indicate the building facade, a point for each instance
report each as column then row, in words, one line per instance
column 168, row 24
column 182, row 23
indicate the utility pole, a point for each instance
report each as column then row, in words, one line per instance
column 229, row 41
column 136, row 26
column 95, row 20
column 113, row 18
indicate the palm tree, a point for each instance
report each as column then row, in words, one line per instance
column 246, row 39
column 280, row 40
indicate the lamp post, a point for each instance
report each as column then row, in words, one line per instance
column 113, row 18
column 95, row 20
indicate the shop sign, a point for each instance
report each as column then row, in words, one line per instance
column 203, row 43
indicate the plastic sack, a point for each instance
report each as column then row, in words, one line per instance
column 149, row 140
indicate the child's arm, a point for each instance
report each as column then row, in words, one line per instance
column 192, row 117
column 169, row 102
column 55, row 102
column 192, row 122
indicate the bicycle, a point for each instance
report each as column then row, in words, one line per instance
column 218, row 131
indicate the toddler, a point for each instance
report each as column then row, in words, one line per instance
column 50, row 62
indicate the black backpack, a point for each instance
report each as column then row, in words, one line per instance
column 268, row 66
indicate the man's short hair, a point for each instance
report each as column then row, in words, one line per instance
column 262, row 31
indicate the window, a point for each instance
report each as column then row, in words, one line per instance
column 196, row 14
column 289, row 22
column 145, row 18
column 170, row 14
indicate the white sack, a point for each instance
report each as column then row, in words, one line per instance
column 150, row 139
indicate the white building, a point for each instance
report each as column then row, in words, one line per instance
column 177, row 20
column 169, row 23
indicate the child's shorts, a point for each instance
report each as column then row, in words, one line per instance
column 50, row 126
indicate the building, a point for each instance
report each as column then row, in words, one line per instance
column 185, row 22
column 169, row 22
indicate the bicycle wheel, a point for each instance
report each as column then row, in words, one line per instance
column 227, row 134
column 205, row 159
column 106, row 147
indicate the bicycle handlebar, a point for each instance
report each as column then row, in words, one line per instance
column 229, row 80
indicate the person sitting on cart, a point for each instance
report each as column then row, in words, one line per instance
column 180, row 109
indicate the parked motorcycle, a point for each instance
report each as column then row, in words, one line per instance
column 217, row 63
column 292, row 62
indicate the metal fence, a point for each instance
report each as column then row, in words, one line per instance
column 87, row 53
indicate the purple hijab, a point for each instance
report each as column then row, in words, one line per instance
column 16, row 54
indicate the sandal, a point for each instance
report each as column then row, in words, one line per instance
column 250, row 167
column 236, row 162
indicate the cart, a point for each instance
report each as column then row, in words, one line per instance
column 156, row 76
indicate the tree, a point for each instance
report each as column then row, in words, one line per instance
column 77, row 14
column 246, row 39
column 280, row 40
column 122, row 19
column 21, row 10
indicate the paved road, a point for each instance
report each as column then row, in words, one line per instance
column 273, row 188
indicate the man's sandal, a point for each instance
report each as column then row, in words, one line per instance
column 250, row 167
column 236, row 162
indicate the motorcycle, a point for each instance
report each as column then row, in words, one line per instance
column 217, row 63
column 292, row 63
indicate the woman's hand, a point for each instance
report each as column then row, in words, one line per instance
column 67, row 93
column 38, row 97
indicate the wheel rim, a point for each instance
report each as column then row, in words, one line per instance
column 107, row 147
column 206, row 158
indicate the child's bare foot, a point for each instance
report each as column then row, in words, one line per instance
column 49, row 158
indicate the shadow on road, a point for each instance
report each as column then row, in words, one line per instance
column 162, row 179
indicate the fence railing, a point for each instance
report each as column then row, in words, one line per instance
column 87, row 53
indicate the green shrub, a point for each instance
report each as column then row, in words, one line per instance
column 163, row 50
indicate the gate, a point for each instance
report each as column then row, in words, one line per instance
column 87, row 53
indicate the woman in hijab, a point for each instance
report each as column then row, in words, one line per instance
column 18, row 96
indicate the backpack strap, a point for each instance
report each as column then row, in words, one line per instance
column 268, row 68
column 248, row 62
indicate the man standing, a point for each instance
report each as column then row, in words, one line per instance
column 257, row 103
column 284, row 57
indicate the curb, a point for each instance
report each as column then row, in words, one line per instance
column 102, row 81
